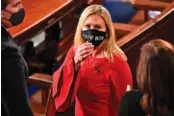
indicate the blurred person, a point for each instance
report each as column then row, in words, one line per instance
column 155, row 78
column 14, row 71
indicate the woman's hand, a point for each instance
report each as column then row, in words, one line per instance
column 82, row 51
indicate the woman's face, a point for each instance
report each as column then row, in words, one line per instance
column 94, row 21
column 94, row 30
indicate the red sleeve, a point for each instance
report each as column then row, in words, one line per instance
column 120, row 77
column 62, row 82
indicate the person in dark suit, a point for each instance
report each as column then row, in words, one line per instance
column 14, row 71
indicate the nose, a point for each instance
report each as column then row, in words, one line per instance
column 92, row 27
column 20, row 6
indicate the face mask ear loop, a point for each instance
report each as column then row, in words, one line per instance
column 8, row 12
column 107, row 32
column 107, row 35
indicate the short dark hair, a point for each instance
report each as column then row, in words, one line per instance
column 3, row 4
column 155, row 76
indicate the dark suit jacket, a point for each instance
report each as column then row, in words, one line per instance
column 14, row 73
column 130, row 104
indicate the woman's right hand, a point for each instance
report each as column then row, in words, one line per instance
column 82, row 51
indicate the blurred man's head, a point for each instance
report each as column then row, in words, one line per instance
column 12, row 12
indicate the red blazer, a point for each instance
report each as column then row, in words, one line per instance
column 97, row 89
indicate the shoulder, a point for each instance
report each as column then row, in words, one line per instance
column 118, row 61
column 7, row 43
column 71, row 52
column 121, row 69
column 118, row 57
column 69, row 55
column 72, row 49
column 119, row 65
column 9, row 49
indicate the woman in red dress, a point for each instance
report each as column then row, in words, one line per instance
column 95, row 73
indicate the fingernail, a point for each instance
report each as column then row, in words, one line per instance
column 128, row 88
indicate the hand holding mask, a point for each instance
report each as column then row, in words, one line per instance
column 83, row 51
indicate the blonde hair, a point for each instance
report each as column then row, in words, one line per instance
column 110, row 48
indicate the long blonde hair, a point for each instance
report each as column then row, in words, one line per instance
column 110, row 48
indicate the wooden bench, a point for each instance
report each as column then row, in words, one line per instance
column 143, row 6
column 122, row 29
column 40, row 15
column 44, row 81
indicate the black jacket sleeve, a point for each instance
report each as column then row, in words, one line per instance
column 14, row 94
column 130, row 104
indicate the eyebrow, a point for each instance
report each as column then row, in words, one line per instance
column 16, row 2
column 94, row 24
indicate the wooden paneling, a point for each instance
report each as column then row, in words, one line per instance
column 150, row 5
column 160, row 27
column 40, row 15
column 122, row 29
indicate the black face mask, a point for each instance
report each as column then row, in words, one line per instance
column 17, row 18
column 94, row 36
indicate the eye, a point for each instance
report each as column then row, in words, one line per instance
column 87, row 26
column 17, row 4
column 97, row 27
